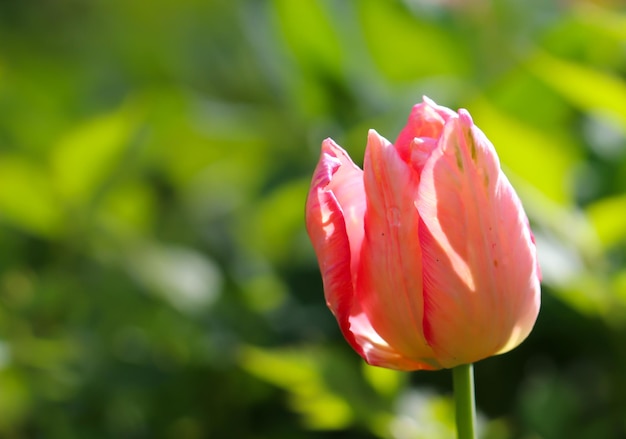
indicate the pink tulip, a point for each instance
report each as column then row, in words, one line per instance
column 426, row 254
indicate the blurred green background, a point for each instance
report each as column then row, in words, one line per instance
column 156, row 280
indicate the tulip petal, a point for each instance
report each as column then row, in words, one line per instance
column 336, row 180
column 334, row 219
column 375, row 350
column 389, row 281
column 426, row 120
column 346, row 184
column 481, row 282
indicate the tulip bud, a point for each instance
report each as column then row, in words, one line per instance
column 426, row 255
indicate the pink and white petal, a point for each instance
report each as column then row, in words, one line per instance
column 327, row 230
column 481, row 286
column 347, row 186
column 389, row 281
column 337, row 196
column 376, row 351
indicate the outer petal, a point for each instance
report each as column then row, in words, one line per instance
column 327, row 229
column 334, row 218
column 481, row 283
column 389, row 281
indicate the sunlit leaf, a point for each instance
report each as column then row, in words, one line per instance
column 406, row 47
column 27, row 199
column 607, row 215
column 588, row 89
column 308, row 31
column 300, row 374
column 385, row 381
column 86, row 156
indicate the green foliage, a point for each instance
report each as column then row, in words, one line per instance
column 155, row 276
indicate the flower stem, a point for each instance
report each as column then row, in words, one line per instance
column 463, row 382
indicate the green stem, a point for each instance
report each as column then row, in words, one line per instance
column 463, row 382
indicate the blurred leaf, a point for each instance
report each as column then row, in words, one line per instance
column 308, row 31
column 58, row 381
column 619, row 285
column 570, row 227
column 264, row 292
column 83, row 159
column 559, row 259
column 406, row 47
column 128, row 208
column 284, row 368
column 386, row 382
column 498, row 429
column 27, row 199
column 588, row 89
column 43, row 353
column 589, row 36
column 278, row 221
column 215, row 152
column 588, row 294
column 323, row 411
column 422, row 414
column 181, row 276
column 529, row 100
column 548, row 404
column 607, row 216
column 604, row 19
column 15, row 400
column 298, row 373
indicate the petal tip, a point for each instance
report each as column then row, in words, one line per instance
column 374, row 137
column 329, row 143
column 428, row 101
column 465, row 118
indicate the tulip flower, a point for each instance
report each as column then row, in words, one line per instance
column 426, row 255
